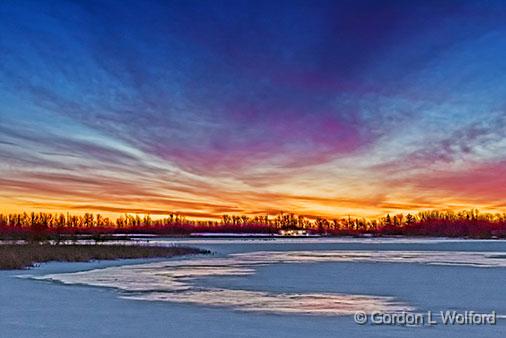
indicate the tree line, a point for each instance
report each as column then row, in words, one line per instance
column 470, row 223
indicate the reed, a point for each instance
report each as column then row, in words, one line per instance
column 20, row 256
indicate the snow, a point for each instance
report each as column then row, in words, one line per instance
column 282, row 288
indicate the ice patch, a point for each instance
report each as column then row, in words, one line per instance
column 174, row 280
column 471, row 259
column 281, row 303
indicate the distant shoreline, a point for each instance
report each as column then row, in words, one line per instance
column 22, row 256
column 89, row 239
column 43, row 226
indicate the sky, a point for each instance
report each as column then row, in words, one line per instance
column 206, row 108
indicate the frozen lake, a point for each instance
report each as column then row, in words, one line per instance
column 263, row 288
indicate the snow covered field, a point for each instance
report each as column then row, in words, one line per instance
column 262, row 288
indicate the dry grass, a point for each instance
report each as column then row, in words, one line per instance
column 20, row 256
